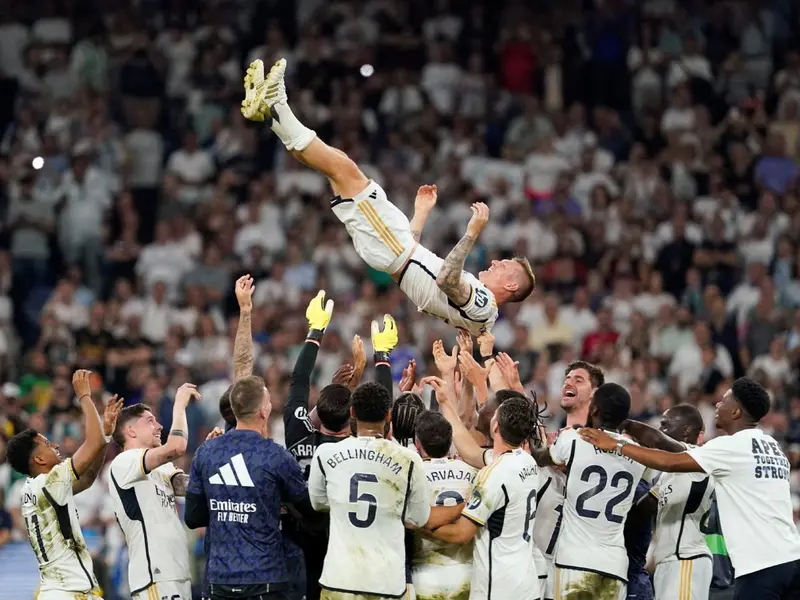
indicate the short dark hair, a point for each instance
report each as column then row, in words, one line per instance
column 20, row 449
column 613, row 403
column 405, row 410
column 371, row 402
column 752, row 396
column 527, row 287
column 225, row 409
column 333, row 406
column 516, row 419
column 126, row 415
column 595, row 373
column 501, row 396
column 690, row 417
column 434, row 433
column 247, row 395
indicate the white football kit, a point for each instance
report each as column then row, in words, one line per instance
column 549, row 507
column 372, row 487
column 54, row 531
column 683, row 561
column 382, row 237
column 590, row 552
column 503, row 505
column 751, row 483
column 440, row 570
column 144, row 504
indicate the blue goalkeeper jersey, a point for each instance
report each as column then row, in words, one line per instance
column 242, row 479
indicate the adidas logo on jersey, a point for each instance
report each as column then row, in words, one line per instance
column 234, row 474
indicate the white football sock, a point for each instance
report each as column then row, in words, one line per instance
column 298, row 134
column 280, row 131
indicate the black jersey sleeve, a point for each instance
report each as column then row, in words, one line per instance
column 296, row 422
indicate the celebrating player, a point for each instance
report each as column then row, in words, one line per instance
column 590, row 555
column 373, row 488
column 440, row 570
column 382, row 234
column 501, row 511
column 143, row 483
column 680, row 503
column 48, row 506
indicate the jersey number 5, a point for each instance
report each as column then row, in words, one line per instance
column 621, row 479
column 355, row 498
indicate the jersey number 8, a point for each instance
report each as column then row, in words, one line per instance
column 621, row 479
column 370, row 499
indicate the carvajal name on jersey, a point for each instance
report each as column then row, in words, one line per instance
column 365, row 454
column 229, row 511
column 450, row 475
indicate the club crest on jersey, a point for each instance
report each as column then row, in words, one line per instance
column 475, row 500
column 301, row 414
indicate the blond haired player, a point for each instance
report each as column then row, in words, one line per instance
column 48, row 504
column 382, row 235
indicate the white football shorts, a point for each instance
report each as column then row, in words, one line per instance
column 442, row 582
column 62, row 595
column 171, row 590
column 572, row 581
column 380, row 231
column 683, row 579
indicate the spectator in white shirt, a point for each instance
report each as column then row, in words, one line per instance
column 157, row 314
column 193, row 166
column 163, row 260
column 580, row 317
column 775, row 365
column 542, row 168
column 691, row 64
column 679, row 116
column 441, row 78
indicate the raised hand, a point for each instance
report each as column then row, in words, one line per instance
column 359, row 356
column 597, row 438
column 409, row 377
column 486, row 344
column 185, row 393
column 110, row 414
column 508, row 367
column 81, row 383
column 446, row 363
column 319, row 312
column 244, row 292
column 480, row 216
column 444, row 392
column 384, row 340
column 214, row 433
column 343, row 374
column 464, row 340
column 426, row 198
column 472, row 371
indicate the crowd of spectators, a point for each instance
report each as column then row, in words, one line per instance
column 643, row 155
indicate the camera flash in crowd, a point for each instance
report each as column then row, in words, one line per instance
column 367, row 70
column 37, row 163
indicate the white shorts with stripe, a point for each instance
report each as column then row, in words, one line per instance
column 571, row 583
column 167, row 590
column 683, row 579
column 380, row 231
column 442, row 582
column 61, row 595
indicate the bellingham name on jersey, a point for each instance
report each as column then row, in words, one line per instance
column 365, row 454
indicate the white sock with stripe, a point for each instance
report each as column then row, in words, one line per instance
column 298, row 135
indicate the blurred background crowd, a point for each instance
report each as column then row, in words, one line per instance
column 642, row 154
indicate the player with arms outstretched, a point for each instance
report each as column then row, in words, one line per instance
column 48, row 503
column 382, row 234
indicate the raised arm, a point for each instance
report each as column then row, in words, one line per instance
column 383, row 342
column 449, row 278
column 651, row 437
column 94, row 444
column 179, row 434
column 669, row 462
column 468, row 449
column 88, row 476
column 243, row 343
column 423, row 205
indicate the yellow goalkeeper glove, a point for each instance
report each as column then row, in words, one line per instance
column 318, row 315
column 386, row 340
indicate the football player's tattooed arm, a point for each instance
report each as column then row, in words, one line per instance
column 449, row 278
column 85, row 481
column 88, row 476
column 243, row 343
column 651, row 437
column 178, row 438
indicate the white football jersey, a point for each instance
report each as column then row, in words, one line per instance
column 418, row 281
column 144, row 504
column 683, row 501
column 549, row 506
column 503, row 505
column 450, row 482
column 372, row 487
column 751, row 481
column 54, row 531
column 599, row 493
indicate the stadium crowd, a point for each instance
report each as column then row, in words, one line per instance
column 642, row 155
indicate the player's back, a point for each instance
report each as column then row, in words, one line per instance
column 51, row 518
column 371, row 487
column 144, row 505
column 418, row 281
column 503, row 504
column 549, row 507
column 683, row 501
column 599, row 494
